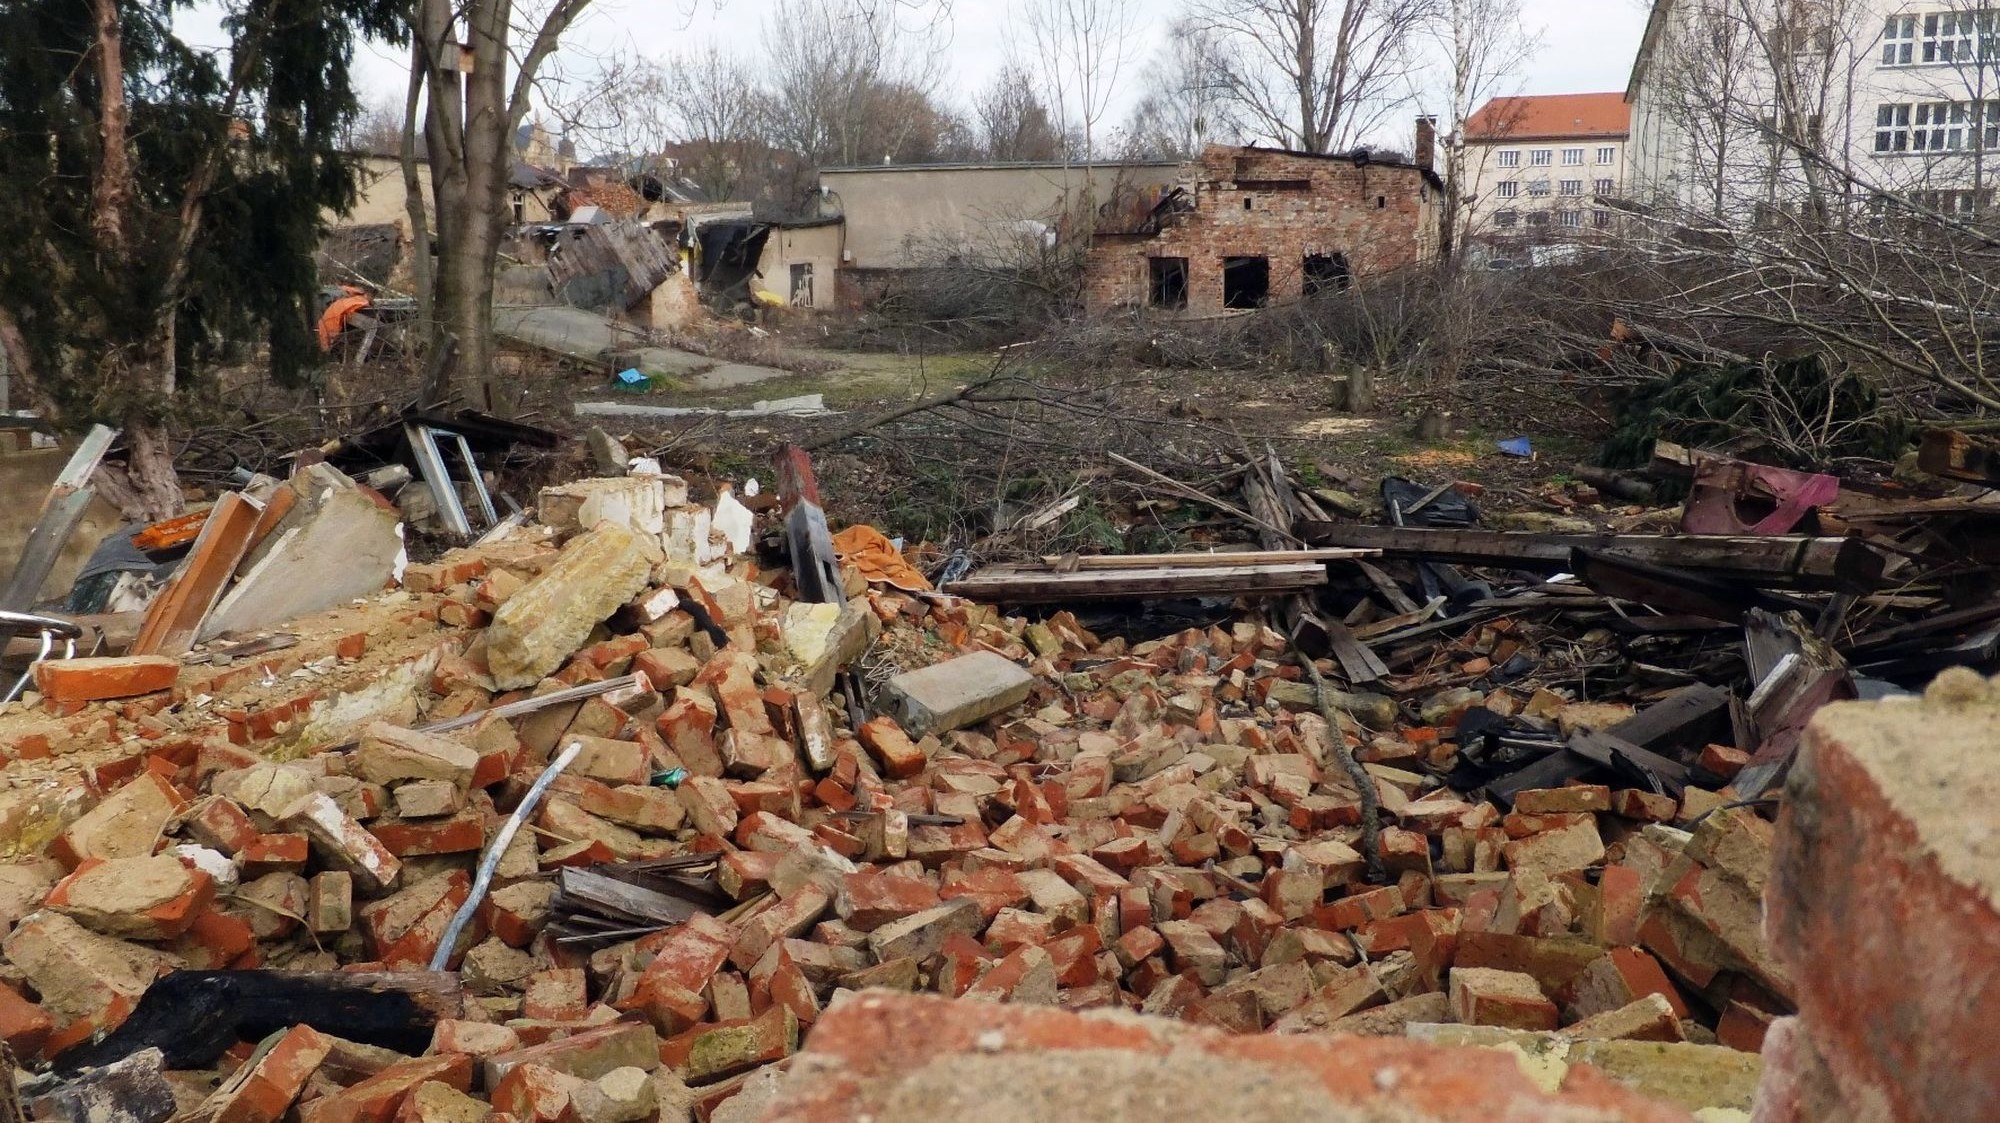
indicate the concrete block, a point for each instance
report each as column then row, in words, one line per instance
column 958, row 692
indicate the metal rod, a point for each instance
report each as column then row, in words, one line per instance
column 499, row 848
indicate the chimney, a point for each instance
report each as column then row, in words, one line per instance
column 1427, row 136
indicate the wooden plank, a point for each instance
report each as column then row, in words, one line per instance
column 1184, row 491
column 1673, row 590
column 1688, row 714
column 1389, row 591
column 1071, row 562
column 1627, row 759
column 1022, row 586
column 582, row 890
column 1844, row 564
column 178, row 612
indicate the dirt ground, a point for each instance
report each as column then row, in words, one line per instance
column 950, row 478
column 889, row 476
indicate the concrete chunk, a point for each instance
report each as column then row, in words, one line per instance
column 389, row 755
column 343, row 843
column 958, row 692
column 550, row 617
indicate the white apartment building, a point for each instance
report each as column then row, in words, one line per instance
column 1894, row 95
column 1537, row 168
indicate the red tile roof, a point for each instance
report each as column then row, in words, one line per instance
column 1551, row 116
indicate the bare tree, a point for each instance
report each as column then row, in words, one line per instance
column 1080, row 48
column 476, row 92
column 1185, row 103
column 1483, row 45
column 1754, row 101
column 1317, row 75
column 829, row 64
column 1010, row 122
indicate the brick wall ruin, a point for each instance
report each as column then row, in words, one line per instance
column 1312, row 220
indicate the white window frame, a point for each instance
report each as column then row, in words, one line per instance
column 1541, row 157
column 1607, row 154
column 1572, row 157
column 1892, row 127
column 1601, row 218
column 1899, row 40
column 1570, row 218
column 1507, row 189
column 1538, row 188
column 1604, row 187
column 1510, row 157
column 1570, row 189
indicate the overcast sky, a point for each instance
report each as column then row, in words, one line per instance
column 1586, row 45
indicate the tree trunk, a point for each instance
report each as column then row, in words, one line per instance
column 146, row 489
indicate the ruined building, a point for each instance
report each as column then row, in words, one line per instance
column 1244, row 227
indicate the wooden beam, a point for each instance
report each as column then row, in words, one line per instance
column 1844, row 564
column 1071, row 562
column 1012, row 585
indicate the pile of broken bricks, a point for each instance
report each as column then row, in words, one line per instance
column 1023, row 813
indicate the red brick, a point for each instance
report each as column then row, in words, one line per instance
column 898, row 756
column 1486, row 997
column 89, row 680
column 556, row 995
column 376, row 1099
column 266, row 1091
column 269, row 853
column 23, row 1026
column 869, row 899
column 459, row 833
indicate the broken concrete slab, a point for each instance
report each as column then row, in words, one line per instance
column 551, row 616
column 958, row 692
column 335, row 544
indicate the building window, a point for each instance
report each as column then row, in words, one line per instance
column 1603, row 187
column 1607, row 155
column 1601, row 219
column 1506, row 218
column 1569, row 218
column 1572, row 157
column 1538, row 218
column 1950, row 36
column 1326, row 272
column 1899, row 39
column 1572, row 187
column 1538, row 187
column 1892, row 128
column 1510, row 158
column 802, row 284
column 1542, row 157
column 1167, row 282
column 1246, row 282
column 1947, row 126
column 1508, row 189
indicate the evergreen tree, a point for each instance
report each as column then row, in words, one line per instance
column 165, row 199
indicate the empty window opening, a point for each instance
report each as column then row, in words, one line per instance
column 1246, row 281
column 1246, row 202
column 1381, row 202
column 1167, row 282
column 1326, row 272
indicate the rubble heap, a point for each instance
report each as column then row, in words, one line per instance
column 1033, row 815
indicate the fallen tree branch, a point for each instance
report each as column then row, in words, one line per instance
column 1371, row 802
